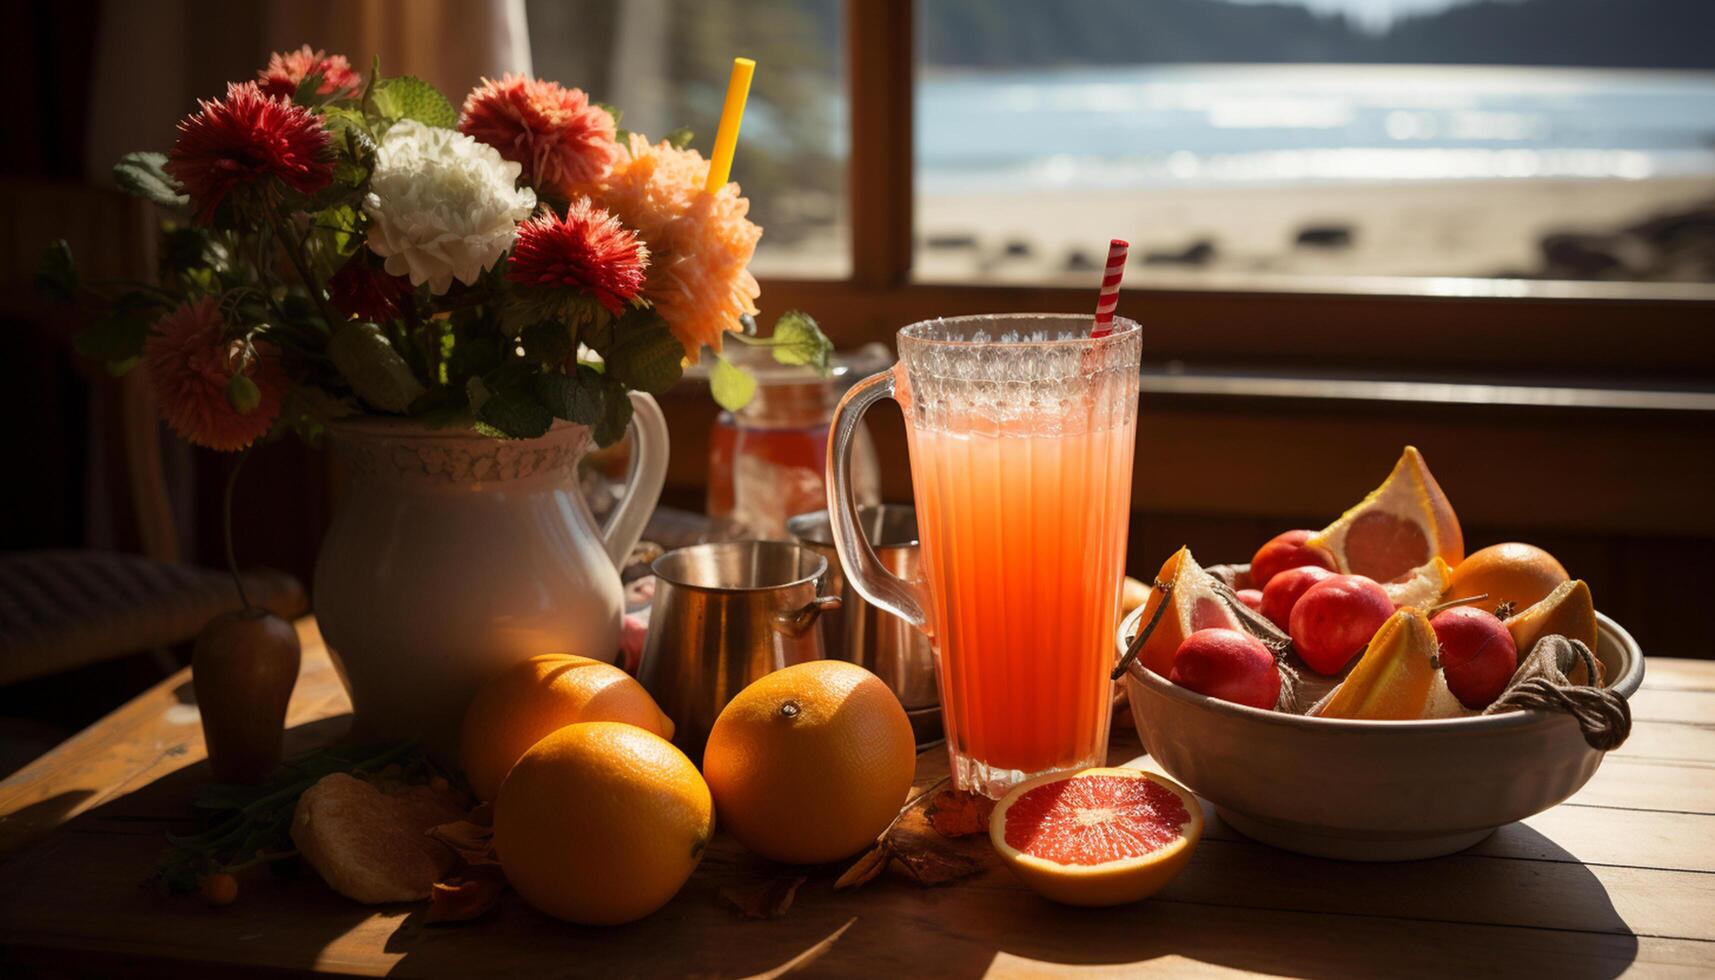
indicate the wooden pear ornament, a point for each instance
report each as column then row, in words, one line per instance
column 244, row 665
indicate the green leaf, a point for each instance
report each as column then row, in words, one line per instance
column 574, row 397
column 56, row 273
column 798, row 340
column 189, row 247
column 516, row 413
column 471, row 357
column 548, row 341
column 732, row 386
column 143, row 174
column 681, row 137
column 308, row 94
column 409, row 97
column 374, row 369
column 117, row 335
column 645, row 356
column 615, row 414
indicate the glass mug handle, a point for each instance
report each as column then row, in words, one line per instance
column 864, row 570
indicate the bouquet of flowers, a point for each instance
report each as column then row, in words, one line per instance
column 346, row 244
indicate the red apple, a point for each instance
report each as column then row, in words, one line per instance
column 1251, row 598
column 1334, row 618
column 1227, row 664
column 1477, row 654
column 1285, row 589
column 1283, row 551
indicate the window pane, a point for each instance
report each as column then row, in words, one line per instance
column 665, row 64
column 1317, row 137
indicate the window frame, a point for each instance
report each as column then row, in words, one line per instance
column 1599, row 331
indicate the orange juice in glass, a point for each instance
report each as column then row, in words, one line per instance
column 1021, row 434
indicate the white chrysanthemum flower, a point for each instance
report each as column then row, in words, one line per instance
column 442, row 206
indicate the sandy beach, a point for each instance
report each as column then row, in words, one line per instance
column 1440, row 228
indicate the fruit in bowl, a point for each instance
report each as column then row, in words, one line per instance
column 1336, row 618
column 1334, row 594
column 1413, row 743
column 1228, row 664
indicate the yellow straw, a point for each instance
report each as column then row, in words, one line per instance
column 726, row 137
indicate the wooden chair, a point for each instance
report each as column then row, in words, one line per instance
column 64, row 609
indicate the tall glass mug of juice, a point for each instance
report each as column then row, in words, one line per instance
column 1021, row 432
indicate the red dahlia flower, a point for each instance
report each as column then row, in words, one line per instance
column 362, row 289
column 287, row 70
column 562, row 140
column 243, row 140
column 588, row 252
column 191, row 365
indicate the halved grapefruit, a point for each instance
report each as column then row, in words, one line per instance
column 1399, row 527
column 1193, row 604
column 1097, row 836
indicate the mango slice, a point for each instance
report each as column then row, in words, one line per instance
column 1395, row 678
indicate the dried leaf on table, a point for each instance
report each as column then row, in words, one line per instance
column 930, row 865
column 466, row 895
column 955, row 813
column 472, row 842
column 911, row 843
column 867, row 868
column 768, row 900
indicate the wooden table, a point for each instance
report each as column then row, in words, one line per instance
column 1621, row 877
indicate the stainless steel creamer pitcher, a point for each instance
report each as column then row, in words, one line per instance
column 724, row 615
column 894, row 650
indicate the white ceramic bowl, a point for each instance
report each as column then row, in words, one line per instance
column 1370, row 790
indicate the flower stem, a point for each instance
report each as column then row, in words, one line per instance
column 294, row 249
column 226, row 522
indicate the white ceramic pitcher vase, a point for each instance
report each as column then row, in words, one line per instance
column 453, row 555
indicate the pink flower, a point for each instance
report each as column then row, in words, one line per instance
column 588, row 252
column 244, row 141
column 191, row 365
column 562, row 140
column 287, row 70
column 700, row 243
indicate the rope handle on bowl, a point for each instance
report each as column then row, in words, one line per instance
column 1604, row 718
column 1142, row 636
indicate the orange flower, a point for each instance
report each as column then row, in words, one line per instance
column 191, row 365
column 700, row 244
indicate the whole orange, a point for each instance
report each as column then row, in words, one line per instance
column 810, row 763
column 601, row 823
column 1514, row 572
column 535, row 697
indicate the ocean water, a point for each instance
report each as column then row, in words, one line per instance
column 1179, row 125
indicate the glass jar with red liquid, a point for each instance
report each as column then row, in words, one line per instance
column 768, row 460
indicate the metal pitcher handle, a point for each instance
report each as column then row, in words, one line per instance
column 864, row 570
column 643, row 484
column 799, row 621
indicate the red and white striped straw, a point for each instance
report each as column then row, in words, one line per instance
column 1109, row 298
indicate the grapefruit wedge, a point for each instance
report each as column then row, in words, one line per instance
column 1568, row 611
column 1422, row 586
column 1397, row 679
column 1193, row 604
column 1398, row 528
column 1097, row 836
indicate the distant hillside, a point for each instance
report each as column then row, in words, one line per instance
column 1604, row 33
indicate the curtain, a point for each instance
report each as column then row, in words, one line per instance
column 153, row 60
